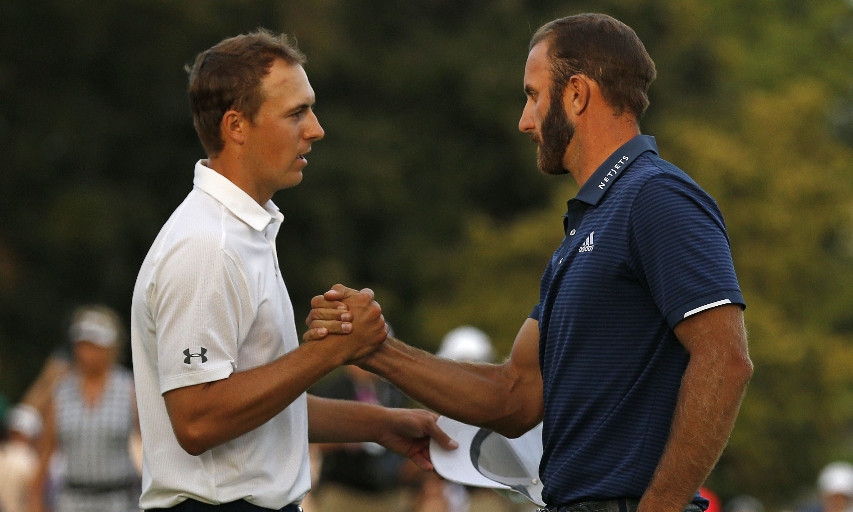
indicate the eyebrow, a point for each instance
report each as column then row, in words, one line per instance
column 303, row 106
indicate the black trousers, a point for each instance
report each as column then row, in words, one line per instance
column 191, row 505
column 618, row 505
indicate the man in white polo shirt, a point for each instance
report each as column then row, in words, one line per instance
column 220, row 375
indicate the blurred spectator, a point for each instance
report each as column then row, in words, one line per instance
column 744, row 503
column 361, row 477
column 714, row 504
column 467, row 343
column 18, row 463
column 31, row 409
column 835, row 484
column 90, row 416
column 18, row 466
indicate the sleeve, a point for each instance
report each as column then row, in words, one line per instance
column 198, row 306
column 680, row 249
column 535, row 313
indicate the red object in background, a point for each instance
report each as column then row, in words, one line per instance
column 715, row 505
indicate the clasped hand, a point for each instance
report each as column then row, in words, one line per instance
column 345, row 311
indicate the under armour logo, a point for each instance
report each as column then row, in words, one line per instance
column 200, row 354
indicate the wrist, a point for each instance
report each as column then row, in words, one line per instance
column 656, row 503
column 379, row 361
column 327, row 351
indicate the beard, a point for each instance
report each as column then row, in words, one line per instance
column 556, row 134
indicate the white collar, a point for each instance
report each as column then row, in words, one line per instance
column 235, row 199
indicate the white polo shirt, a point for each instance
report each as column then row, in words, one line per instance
column 209, row 300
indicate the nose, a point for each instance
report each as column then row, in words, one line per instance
column 526, row 124
column 314, row 131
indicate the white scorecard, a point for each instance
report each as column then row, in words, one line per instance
column 487, row 459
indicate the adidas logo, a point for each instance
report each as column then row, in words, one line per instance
column 587, row 244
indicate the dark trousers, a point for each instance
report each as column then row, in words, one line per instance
column 620, row 505
column 191, row 505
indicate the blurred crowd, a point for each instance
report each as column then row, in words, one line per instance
column 72, row 443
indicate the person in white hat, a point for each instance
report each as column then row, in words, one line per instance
column 91, row 417
column 836, row 487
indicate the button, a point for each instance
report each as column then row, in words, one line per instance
column 572, row 232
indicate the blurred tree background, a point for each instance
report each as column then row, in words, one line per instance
column 424, row 190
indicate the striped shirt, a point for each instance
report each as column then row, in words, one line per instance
column 645, row 247
column 94, row 438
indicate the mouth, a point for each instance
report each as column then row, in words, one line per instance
column 301, row 157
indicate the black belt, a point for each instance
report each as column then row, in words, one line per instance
column 191, row 505
column 100, row 488
column 620, row 505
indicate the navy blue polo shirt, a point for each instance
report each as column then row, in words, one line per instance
column 645, row 247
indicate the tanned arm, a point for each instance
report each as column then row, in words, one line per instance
column 403, row 431
column 506, row 398
column 206, row 415
column 711, row 392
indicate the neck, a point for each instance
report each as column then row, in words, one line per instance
column 94, row 375
column 594, row 142
column 232, row 167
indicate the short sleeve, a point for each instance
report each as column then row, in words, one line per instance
column 680, row 249
column 197, row 303
column 535, row 313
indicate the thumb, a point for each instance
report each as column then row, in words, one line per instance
column 440, row 436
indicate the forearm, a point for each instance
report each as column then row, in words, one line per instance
column 45, row 446
column 708, row 403
column 479, row 394
column 210, row 414
column 344, row 421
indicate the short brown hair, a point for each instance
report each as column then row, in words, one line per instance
column 605, row 50
column 228, row 76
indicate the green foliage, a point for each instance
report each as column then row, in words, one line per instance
column 423, row 188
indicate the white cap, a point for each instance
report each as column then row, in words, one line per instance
column 487, row 459
column 836, row 478
column 25, row 419
column 467, row 343
column 95, row 327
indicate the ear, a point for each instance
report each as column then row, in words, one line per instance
column 233, row 127
column 577, row 95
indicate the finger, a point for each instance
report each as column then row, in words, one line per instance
column 339, row 292
column 320, row 301
column 315, row 334
column 369, row 292
column 422, row 460
column 332, row 326
column 328, row 314
column 441, row 436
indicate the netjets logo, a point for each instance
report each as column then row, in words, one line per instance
column 201, row 354
column 611, row 174
column 587, row 244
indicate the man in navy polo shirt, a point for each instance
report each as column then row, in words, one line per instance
column 636, row 355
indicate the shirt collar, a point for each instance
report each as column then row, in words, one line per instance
column 607, row 173
column 235, row 199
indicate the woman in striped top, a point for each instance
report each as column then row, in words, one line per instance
column 90, row 421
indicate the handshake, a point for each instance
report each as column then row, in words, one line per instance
column 351, row 318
